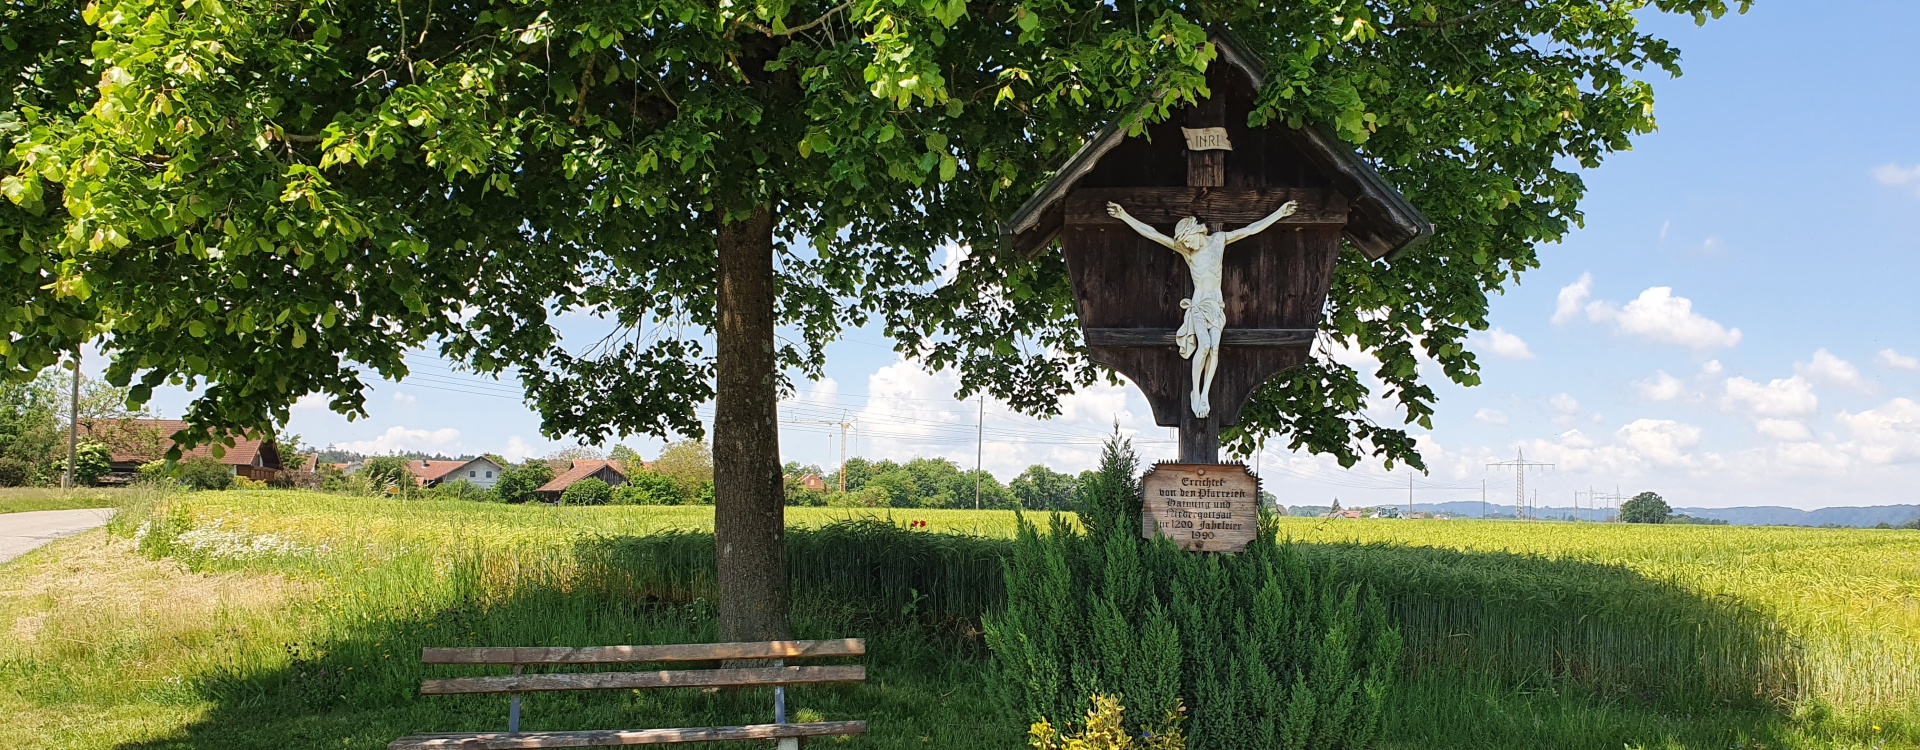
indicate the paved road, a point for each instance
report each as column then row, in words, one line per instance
column 21, row 532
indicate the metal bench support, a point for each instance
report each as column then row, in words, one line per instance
column 513, row 707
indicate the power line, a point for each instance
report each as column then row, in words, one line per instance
column 1520, row 465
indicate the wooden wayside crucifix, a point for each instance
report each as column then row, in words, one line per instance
column 1134, row 285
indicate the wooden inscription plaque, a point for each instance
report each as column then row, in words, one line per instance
column 1201, row 507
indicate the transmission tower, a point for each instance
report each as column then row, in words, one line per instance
column 1520, row 465
column 845, row 423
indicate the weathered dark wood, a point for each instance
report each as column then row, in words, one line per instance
column 748, row 677
column 1232, row 207
column 1207, row 168
column 1228, row 338
column 638, row 654
column 1200, row 438
column 619, row 738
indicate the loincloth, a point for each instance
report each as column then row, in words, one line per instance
column 1205, row 313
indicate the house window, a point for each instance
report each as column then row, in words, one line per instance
column 470, row 474
column 489, row 474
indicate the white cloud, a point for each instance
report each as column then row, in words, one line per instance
column 1831, row 369
column 398, row 438
column 403, row 398
column 1898, row 361
column 1712, row 367
column 1572, row 296
column 1894, row 175
column 1661, row 441
column 318, row 401
column 1713, row 244
column 1664, row 226
column 1504, row 345
column 519, row 450
column 1565, row 404
column 1490, row 416
column 1781, row 397
column 1888, row 434
column 1659, row 315
column 911, row 413
column 1790, row 430
column 1660, row 387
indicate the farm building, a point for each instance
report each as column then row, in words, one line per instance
column 610, row 472
column 481, row 472
column 132, row 442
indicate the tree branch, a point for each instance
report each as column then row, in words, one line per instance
column 1458, row 20
column 802, row 28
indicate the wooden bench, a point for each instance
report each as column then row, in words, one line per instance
column 778, row 675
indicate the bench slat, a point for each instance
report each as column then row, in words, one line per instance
column 634, row 654
column 527, row 683
column 615, row 738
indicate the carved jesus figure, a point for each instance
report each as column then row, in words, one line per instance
column 1206, row 316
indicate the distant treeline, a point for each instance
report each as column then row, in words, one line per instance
column 930, row 483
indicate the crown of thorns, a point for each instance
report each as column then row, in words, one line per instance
column 1188, row 226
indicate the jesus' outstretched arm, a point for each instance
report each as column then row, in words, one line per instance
column 1114, row 210
column 1261, row 225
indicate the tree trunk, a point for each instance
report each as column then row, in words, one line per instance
column 749, row 514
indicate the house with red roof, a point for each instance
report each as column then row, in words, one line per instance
column 610, row 472
column 482, row 472
column 132, row 442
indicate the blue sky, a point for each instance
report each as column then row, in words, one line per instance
column 1733, row 326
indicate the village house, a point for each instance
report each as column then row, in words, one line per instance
column 132, row 442
column 610, row 472
column 481, row 472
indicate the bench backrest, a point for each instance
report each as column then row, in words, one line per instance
column 519, row 657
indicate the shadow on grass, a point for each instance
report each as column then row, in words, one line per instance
column 1502, row 650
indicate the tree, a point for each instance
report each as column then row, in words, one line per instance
column 387, row 475
column 648, row 488
column 1041, row 488
column 91, row 461
column 31, row 436
column 625, row 456
column 1645, row 507
column 267, row 201
column 203, row 473
column 576, row 453
column 589, row 491
column 687, row 462
column 517, row 484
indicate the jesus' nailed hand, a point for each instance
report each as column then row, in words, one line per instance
column 1199, row 334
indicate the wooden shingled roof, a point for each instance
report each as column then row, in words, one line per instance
column 1382, row 224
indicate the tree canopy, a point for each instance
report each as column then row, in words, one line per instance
column 266, row 201
column 1646, row 507
column 274, row 200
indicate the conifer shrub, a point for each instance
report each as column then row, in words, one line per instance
column 1263, row 649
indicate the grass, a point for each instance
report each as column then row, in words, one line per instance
column 26, row 499
column 285, row 619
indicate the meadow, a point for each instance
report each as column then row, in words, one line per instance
column 26, row 499
column 286, row 619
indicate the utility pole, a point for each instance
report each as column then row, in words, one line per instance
column 979, row 447
column 844, row 424
column 1409, row 494
column 1520, row 465
column 1483, row 498
column 73, row 423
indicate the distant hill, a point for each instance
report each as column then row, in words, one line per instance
column 1769, row 515
column 1758, row 515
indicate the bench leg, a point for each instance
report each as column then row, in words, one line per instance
column 513, row 708
column 788, row 743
